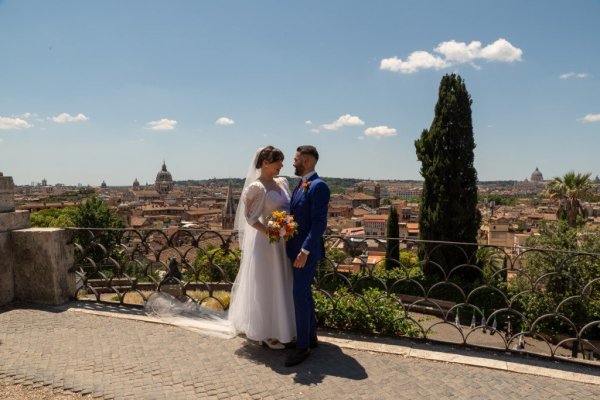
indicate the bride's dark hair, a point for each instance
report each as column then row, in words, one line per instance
column 270, row 154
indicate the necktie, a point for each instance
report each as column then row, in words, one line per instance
column 297, row 186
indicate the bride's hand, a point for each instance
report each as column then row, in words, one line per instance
column 261, row 227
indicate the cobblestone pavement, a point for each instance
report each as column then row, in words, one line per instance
column 115, row 358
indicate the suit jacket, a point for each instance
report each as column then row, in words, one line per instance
column 309, row 206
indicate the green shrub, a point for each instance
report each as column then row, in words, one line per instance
column 372, row 311
column 213, row 264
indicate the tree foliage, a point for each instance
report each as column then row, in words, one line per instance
column 570, row 189
column 54, row 218
column 94, row 213
column 448, row 209
column 564, row 272
column 392, row 248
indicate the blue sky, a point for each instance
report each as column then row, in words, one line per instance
column 106, row 90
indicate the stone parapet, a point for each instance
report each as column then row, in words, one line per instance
column 11, row 221
column 42, row 258
column 7, row 282
column 7, row 194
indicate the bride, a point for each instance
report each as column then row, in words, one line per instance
column 262, row 306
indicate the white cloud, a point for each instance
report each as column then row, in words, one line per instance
column 501, row 50
column 416, row 60
column 344, row 120
column 308, row 122
column 574, row 75
column 459, row 52
column 380, row 131
column 66, row 117
column 224, row 121
column 453, row 53
column 7, row 123
column 162, row 124
column 592, row 118
column 315, row 130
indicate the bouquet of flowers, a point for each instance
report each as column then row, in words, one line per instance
column 281, row 225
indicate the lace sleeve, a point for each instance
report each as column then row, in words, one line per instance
column 254, row 200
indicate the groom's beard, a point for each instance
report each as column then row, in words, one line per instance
column 299, row 170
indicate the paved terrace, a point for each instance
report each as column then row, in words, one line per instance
column 95, row 351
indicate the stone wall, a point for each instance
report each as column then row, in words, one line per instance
column 34, row 262
column 7, row 194
column 10, row 220
column 41, row 265
column 7, row 282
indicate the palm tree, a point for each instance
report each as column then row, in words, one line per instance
column 570, row 189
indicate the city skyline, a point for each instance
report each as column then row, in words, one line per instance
column 107, row 91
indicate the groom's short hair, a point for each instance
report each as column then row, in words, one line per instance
column 308, row 150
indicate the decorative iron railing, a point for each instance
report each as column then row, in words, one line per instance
column 524, row 300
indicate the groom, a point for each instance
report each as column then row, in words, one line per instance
column 309, row 207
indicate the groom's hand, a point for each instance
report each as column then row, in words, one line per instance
column 300, row 260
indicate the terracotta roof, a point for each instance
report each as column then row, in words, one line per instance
column 358, row 196
column 375, row 217
column 146, row 193
column 204, row 211
column 138, row 221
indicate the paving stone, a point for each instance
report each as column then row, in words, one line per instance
column 120, row 359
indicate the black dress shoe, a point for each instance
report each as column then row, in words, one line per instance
column 313, row 343
column 297, row 357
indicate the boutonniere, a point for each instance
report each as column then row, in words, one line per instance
column 306, row 185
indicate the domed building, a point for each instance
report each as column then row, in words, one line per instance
column 536, row 176
column 136, row 184
column 164, row 181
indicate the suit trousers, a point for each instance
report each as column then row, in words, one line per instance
column 304, row 304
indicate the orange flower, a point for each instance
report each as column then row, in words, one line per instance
column 281, row 225
column 306, row 185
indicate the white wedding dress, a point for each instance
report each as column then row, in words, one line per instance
column 262, row 305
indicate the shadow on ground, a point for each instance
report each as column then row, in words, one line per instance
column 326, row 360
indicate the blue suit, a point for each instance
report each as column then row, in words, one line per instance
column 309, row 206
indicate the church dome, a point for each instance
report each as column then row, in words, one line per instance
column 164, row 181
column 164, row 175
column 136, row 184
column 536, row 176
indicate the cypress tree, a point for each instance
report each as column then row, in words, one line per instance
column 448, row 210
column 392, row 248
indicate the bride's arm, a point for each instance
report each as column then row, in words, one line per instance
column 254, row 199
